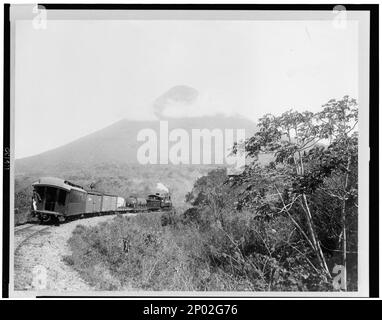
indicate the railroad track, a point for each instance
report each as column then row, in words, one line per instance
column 25, row 233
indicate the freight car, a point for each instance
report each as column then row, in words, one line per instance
column 58, row 200
column 121, row 202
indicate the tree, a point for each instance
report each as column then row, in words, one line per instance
column 309, row 151
column 211, row 191
column 339, row 120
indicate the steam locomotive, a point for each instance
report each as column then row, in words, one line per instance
column 58, row 200
column 154, row 202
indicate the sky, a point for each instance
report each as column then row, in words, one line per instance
column 76, row 77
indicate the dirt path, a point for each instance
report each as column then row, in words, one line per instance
column 43, row 254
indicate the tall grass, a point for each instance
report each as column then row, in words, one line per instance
column 177, row 253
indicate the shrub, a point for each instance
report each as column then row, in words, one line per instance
column 238, row 254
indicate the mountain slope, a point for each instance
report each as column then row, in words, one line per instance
column 118, row 142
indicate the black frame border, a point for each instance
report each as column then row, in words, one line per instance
column 373, row 117
column 6, row 149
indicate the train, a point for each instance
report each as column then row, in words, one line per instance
column 58, row 200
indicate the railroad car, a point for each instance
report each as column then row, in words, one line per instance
column 136, row 204
column 121, row 202
column 60, row 199
column 94, row 202
column 131, row 202
column 141, row 202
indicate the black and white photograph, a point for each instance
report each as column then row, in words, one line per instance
column 203, row 152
